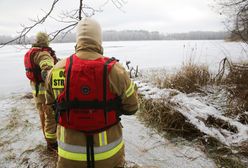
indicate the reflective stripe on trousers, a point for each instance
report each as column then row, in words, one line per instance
column 50, row 135
column 78, row 153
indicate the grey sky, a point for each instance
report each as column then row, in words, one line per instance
column 166, row 16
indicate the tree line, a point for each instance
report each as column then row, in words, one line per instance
column 132, row 35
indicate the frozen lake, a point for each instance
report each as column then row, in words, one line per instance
column 146, row 54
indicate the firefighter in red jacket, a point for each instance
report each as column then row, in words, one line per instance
column 91, row 92
column 38, row 60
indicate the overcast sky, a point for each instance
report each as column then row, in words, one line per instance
column 166, row 16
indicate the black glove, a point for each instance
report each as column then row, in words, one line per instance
column 43, row 75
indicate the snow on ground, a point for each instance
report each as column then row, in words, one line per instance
column 22, row 144
column 197, row 110
column 148, row 149
column 21, row 140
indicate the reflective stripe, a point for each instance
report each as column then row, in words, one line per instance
column 58, row 78
column 71, row 156
column 130, row 90
column 46, row 62
column 50, row 136
column 78, row 153
column 62, row 134
column 82, row 149
column 42, row 89
column 41, row 92
column 103, row 138
column 56, row 92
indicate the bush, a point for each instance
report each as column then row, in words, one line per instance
column 236, row 83
column 190, row 78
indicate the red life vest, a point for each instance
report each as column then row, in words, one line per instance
column 86, row 103
column 33, row 71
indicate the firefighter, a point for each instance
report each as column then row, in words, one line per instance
column 38, row 60
column 91, row 92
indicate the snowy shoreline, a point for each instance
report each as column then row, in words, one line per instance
column 22, row 144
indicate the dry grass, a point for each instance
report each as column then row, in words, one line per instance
column 236, row 82
column 244, row 148
column 27, row 96
column 228, row 162
column 46, row 159
column 10, row 156
column 222, row 155
column 13, row 118
column 243, row 118
column 219, row 123
column 189, row 78
column 160, row 115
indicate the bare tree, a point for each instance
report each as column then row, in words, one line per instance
column 237, row 12
column 68, row 18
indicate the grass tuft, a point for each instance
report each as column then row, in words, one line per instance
column 189, row 78
column 235, row 80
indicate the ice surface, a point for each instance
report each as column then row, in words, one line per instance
column 166, row 54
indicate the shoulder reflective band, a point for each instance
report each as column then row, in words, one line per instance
column 103, row 138
column 78, row 153
column 46, row 62
column 50, row 136
column 130, row 89
column 58, row 78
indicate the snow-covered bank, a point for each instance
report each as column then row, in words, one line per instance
column 197, row 110
column 22, row 144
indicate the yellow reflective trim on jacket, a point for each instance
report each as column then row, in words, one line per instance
column 62, row 134
column 103, row 138
column 58, row 78
column 83, row 157
column 56, row 92
column 42, row 89
column 50, row 136
column 130, row 90
column 46, row 62
column 41, row 92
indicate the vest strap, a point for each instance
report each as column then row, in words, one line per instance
column 109, row 105
column 105, row 75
